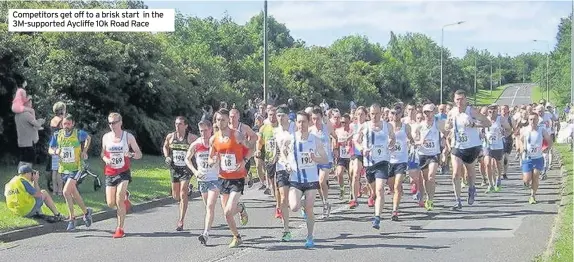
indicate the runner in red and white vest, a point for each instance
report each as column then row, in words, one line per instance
column 116, row 154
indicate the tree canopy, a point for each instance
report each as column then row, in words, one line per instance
column 152, row 77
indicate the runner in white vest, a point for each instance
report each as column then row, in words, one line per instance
column 462, row 119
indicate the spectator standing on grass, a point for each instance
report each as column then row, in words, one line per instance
column 27, row 132
column 55, row 183
column 24, row 196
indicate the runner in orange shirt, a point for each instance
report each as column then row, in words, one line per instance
column 228, row 150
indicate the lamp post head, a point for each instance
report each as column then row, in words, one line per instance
column 460, row 22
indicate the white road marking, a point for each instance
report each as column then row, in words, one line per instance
column 515, row 93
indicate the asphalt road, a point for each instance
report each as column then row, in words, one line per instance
column 498, row 227
column 516, row 94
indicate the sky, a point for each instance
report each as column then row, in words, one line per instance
column 505, row 27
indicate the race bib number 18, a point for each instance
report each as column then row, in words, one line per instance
column 228, row 162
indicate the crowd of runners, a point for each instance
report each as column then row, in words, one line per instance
column 376, row 149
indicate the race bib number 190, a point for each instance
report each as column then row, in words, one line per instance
column 306, row 161
column 179, row 158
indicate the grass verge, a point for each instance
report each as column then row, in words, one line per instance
column 151, row 180
column 485, row 97
column 539, row 92
column 561, row 248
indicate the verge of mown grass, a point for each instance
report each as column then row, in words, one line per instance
column 539, row 92
column 150, row 180
column 561, row 247
column 485, row 97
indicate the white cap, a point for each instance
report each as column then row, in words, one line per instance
column 428, row 107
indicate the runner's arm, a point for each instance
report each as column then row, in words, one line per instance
column 507, row 128
column 392, row 139
column 251, row 135
column 482, row 120
column 189, row 157
column 212, row 154
column 87, row 144
column 241, row 140
column 135, row 147
column 104, row 158
column 409, row 134
column 166, row 143
column 53, row 146
column 321, row 156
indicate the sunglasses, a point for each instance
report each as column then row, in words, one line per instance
column 113, row 122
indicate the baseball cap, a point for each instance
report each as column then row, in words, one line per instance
column 24, row 169
column 428, row 107
column 493, row 106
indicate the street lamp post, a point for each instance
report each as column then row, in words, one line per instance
column 547, row 68
column 491, row 77
column 475, row 73
column 441, row 51
column 265, row 57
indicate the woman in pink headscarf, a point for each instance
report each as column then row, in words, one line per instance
column 20, row 100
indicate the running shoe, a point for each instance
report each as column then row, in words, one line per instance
column 243, row 216
column 71, row 225
column 179, row 226
column 429, row 205
column 286, row 237
column 353, row 204
column 203, row 238
column 376, row 222
column 309, row 243
column 371, row 202
column 457, row 205
column 235, row 242
column 278, row 213
column 119, row 233
column 489, row 189
column 326, row 210
column 303, row 214
column 531, row 200
column 88, row 217
column 395, row 216
column 341, row 194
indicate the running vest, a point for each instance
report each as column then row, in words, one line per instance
column 17, row 198
column 493, row 135
column 178, row 150
column 345, row 144
column 431, row 139
column 230, row 154
column 306, row 170
column 280, row 137
column 465, row 137
column 116, row 152
column 201, row 158
column 324, row 136
column 533, row 140
column 377, row 142
column 71, row 152
column 268, row 140
column 401, row 147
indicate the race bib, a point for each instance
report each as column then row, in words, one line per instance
column 306, row 161
column 67, row 155
column 377, row 152
column 429, row 144
column 533, row 150
column 270, row 145
column 397, row 147
column 179, row 158
column 462, row 138
column 228, row 162
column 344, row 152
column 117, row 160
column 493, row 138
column 203, row 165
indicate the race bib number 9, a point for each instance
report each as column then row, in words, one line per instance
column 68, row 155
column 228, row 162
column 117, row 160
column 306, row 161
column 179, row 158
column 377, row 152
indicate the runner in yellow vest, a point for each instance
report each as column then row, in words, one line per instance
column 24, row 197
column 267, row 149
column 71, row 145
